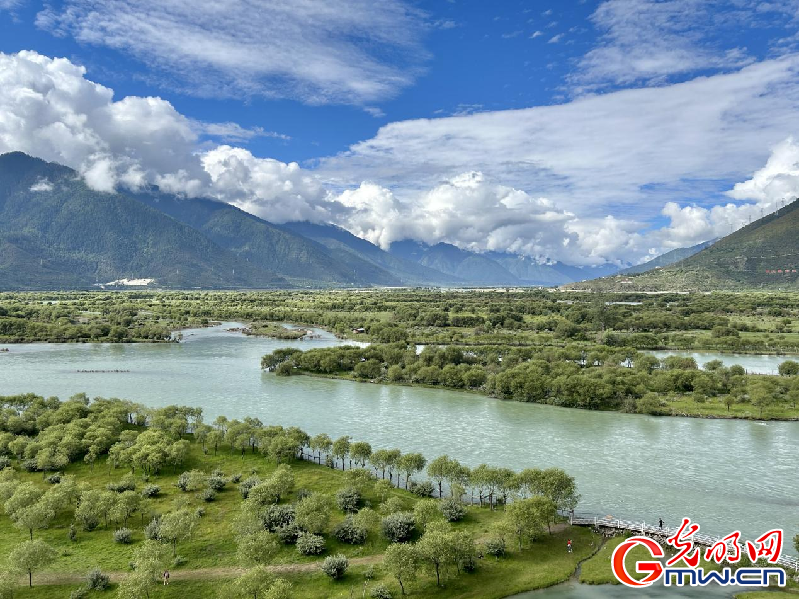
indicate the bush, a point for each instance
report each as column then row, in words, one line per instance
column 150, row 491
column 217, row 483
column 247, row 484
column 179, row 561
column 349, row 532
column 208, row 495
column 128, row 483
column 423, row 489
column 392, row 505
column 398, row 527
column 310, row 544
column 73, row 533
column 53, row 479
column 381, row 591
column 189, row 481
column 123, row 535
column 96, row 580
column 303, row 493
column 335, row 565
column 29, row 465
column 79, row 593
column 495, row 547
column 5, row 462
column 276, row 516
column 236, row 478
column 453, row 509
column 288, row 533
column 152, row 531
column 348, row 499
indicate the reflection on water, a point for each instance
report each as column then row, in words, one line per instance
column 725, row 474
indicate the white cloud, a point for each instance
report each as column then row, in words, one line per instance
column 538, row 181
column 42, row 184
column 233, row 132
column 318, row 52
column 10, row 5
column 555, row 39
column 652, row 41
column 627, row 150
column 536, row 34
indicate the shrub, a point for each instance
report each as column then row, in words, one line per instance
column 349, row 532
column 150, row 491
column 303, row 493
column 152, row 531
column 347, row 499
column 128, row 483
column 189, row 481
column 381, row 591
column 123, row 535
column 96, row 580
column 398, row 527
column 179, row 561
column 495, row 547
column 276, row 516
column 247, row 484
column 423, row 489
column 5, row 462
column 236, row 478
column 453, row 509
column 369, row 573
column 208, row 495
column 392, row 505
column 288, row 533
column 29, row 465
column 53, row 479
column 335, row 565
column 217, row 483
column 310, row 544
column 79, row 593
column 73, row 533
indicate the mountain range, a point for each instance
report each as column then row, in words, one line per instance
column 56, row 232
column 762, row 255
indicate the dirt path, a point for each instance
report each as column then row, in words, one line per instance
column 58, row 578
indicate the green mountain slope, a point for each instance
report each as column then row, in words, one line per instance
column 667, row 259
column 268, row 246
column 343, row 244
column 67, row 235
column 762, row 255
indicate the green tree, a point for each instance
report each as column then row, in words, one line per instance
column 436, row 547
column 31, row 556
column 178, row 526
column 341, row 449
column 528, row 517
column 409, row 464
column 312, row 513
column 402, row 562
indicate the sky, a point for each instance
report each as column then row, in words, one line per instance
column 584, row 131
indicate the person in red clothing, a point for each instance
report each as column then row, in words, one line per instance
column 569, row 546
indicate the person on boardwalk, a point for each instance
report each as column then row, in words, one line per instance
column 166, row 577
column 569, row 546
column 660, row 522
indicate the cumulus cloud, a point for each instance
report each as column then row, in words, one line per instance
column 10, row 5
column 337, row 51
column 537, row 182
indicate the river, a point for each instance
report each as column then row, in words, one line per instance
column 753, row 363
column 724, row 474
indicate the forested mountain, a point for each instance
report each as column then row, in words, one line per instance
column 668, row 258
column 344, row 244
column 56, row 232
column 761, row 255
column 269, row 246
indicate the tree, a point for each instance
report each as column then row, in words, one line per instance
column 178, row 526
column 258, row 547
column 259, row 582
column 341, row 449
column 36, row 516
column 360, row 452
column 411, row 463
column 50, row 459
column 402, row 562
column 313, row 513
column 528, row 517
column 789, row 368
column 30, row 556
column 320, row 443
column 149, row 561
column 439, row 469
column 426, row 511
column 436, row 547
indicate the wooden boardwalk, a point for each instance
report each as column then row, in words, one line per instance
column 641, row 528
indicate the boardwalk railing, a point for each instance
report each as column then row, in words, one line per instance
column 641, row 528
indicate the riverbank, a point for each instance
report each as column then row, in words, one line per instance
column 683, row 408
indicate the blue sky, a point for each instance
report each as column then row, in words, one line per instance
column 582, row 131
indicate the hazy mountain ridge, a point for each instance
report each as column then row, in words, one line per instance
column 668, row 258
